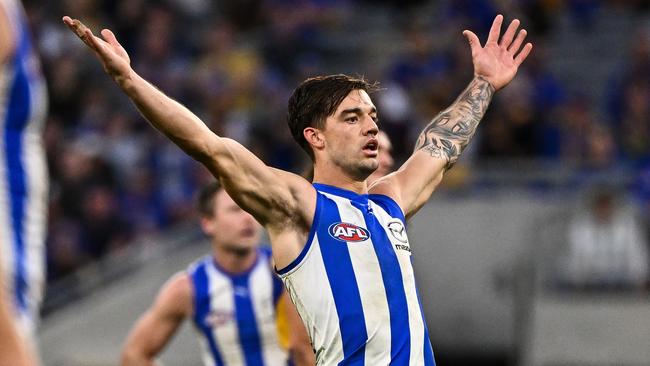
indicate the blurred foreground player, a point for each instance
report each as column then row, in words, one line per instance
column 233, row 297
column 23, row 175
column 340, row 245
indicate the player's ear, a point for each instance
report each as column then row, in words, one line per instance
column 207, row 225
column 314, row 137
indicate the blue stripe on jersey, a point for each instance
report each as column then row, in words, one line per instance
column 400, row 341
column 202, row 309
column 248, row 334
column 345, row 289
column 389, row 205
column 18, row 110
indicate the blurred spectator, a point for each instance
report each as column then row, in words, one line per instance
column 607, row 248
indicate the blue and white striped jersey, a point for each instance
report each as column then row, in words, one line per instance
column 236, row 314
column 23, row 172
column 353, row 283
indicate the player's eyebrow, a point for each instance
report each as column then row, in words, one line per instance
column 357, row 110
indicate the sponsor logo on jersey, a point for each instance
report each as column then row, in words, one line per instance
column 218, row 317
column 240, row 291
column 344, row 231
column 398, row 231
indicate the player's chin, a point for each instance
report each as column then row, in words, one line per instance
column 368, row 166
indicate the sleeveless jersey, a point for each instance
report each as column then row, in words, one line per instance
column 23, row 172
column 235, row 315
column 353, row 283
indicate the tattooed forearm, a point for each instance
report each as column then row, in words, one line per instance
column 450, row 131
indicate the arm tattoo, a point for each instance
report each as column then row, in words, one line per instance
column 447, row 135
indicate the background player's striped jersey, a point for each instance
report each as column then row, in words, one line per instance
column 353, row 283
column 236, row 314
column 23, row 173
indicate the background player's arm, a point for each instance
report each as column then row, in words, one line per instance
column 300, row 348
column 260, row 190
column 446, row 136
column 159, row 324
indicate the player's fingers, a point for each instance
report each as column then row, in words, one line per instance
column 506, row 40
column 514, row 47
column 495, row 30
column 91, row 40
column 474, row 42
column 79, row 29
column 523, row 54
column 110, row 38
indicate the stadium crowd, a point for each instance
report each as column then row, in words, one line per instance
column 234, row 63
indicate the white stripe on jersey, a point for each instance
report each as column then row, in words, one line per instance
column 322, row 332
column 372, row 292
column 206, row 355
column 260, row 284
column 416, row 326
column 36, row 181
column 226, row 336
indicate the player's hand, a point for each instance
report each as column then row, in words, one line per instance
column 499, row 60
column 114, row 58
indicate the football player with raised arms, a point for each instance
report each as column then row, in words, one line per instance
column 338, row 244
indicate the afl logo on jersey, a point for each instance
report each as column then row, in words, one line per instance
column 344, row 231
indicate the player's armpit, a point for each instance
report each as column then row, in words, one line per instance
column 274, row 197
column 159, row 323
column 413, row 183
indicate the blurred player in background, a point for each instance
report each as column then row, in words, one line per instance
column 235, row 300
column 385, row 160
column 340, row 245
column 23, row 172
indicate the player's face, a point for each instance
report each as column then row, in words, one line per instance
column 351, row 135
column 231, row 226
column 385, row 157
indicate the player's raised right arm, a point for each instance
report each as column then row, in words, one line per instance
column 263, row 192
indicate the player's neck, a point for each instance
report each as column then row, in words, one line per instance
column 338, row 178
column 234, row 261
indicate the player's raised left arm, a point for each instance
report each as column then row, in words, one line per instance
column 443, row 140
